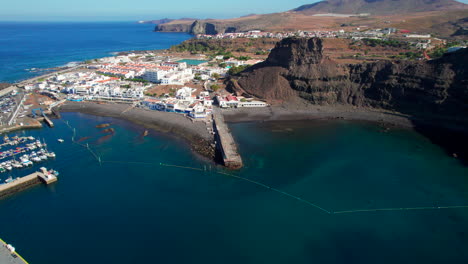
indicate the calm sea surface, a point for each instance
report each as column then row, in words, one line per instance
column 24, row 46
column 137, row 207
column 131, row 209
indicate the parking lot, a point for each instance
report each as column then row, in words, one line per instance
column 8, row 104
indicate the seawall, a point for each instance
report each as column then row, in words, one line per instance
column 225, row 142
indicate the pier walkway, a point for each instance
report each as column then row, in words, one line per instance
column 8, row 257
column 26, row 182
column 225, row 142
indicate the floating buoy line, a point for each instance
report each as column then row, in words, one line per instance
column 265, row 186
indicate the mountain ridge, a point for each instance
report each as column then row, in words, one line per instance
column 379, row 7
column 305, row 18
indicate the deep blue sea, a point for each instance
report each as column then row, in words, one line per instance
column 131, row 209
column 42, row 45
column 151, row 200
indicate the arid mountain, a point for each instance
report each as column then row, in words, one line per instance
column 298, row 68
column 379, row 7
column 405, row 14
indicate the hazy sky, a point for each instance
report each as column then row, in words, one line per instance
column 121, row 10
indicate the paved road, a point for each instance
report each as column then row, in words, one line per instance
column 7, row 258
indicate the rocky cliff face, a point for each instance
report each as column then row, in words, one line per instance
column 297, row 67
column 211, row 28
column 180, row 27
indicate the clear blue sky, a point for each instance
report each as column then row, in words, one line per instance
column 121, row 10
column 138, row 9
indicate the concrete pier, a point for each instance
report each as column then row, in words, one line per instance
column 26, row 182
column 48, row 121
column 7, row 256
column 225, row 142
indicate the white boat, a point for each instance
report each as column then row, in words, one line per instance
column 60, row 140
column 50, row 154
column 10, row 179
column 27, row 163
column 8, row 167
column 17, row 165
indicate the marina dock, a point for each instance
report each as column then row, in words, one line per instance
column 9, row 255
column 225, row 142
column 48, row 121
column 25, row 182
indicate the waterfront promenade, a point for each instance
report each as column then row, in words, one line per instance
column 8, row 257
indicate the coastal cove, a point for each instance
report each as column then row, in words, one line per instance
column 320, row 183
column 212, row 218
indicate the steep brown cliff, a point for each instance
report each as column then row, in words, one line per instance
column 298, row 68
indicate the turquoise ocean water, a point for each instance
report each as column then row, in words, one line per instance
column 131, row 209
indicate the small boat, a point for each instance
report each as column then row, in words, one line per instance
column 145, row 133
column 60, row 140
column 50, row 154
column 54, row 172
column 10, row 179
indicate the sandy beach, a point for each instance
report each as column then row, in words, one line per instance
column 196, row 133
column 302, row 111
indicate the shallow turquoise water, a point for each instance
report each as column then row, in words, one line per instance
column 193, row 62
column 136, row 212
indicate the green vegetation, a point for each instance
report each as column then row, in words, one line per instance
column 107, row 74
column 197, row 77
column 125, row 86
column 137, row 80
column 244, row 58
column 438, row 52
column 385, row 43
column 215, row 75
column 407, row 56
column 237, row 69
column 214, row 87
column 222, row 65
column 195, row 47
column 262, row 52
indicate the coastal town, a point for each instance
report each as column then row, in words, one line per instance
column 185, row 87
column 189, row 84
column 323, row 131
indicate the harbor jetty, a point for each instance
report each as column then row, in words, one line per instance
column 9, row 255
column 225, row 142
column 19, row 184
